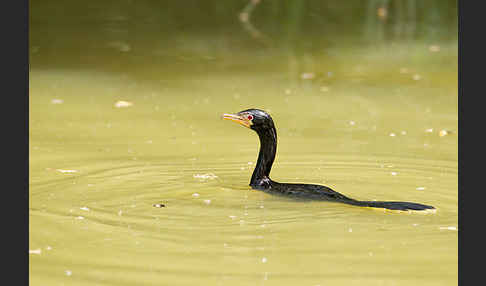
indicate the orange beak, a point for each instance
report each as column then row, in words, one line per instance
column 238, row 119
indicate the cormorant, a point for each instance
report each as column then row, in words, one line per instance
column 261, row 122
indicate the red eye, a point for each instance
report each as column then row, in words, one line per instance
column 250, row 117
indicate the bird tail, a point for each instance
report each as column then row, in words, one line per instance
column 402, row 206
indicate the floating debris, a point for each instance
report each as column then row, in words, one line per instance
column 208, row 176
column 264, row 260
column 67, row 171
column 430, row 130
column 448, row 228
column 404, row 70
column 207, row 202
column 159, row 205
column 121, row 46
column 434, row 48
column 79, row 217
column 420, row 188
column 121, row 103
column 68, row 272
column 352, row 122
column 403, row 132
column 416, row 77
column 308, row 75
column 392, row 135
column 120, row 212
column 195, row 195
column 232, row 216
column 444, row 132
column 84, row 209
column 57, row 101
column 393, row 173
column 35, row 251
column 382, row 13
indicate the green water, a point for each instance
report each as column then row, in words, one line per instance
column 364, row 119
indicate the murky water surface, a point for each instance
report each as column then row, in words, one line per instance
column 109, row 140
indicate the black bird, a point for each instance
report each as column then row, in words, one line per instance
column 261, row 122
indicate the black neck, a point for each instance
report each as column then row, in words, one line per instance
column 268, row 149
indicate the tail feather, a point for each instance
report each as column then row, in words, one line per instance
column 403, row 206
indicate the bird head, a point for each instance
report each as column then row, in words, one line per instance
column 255, row 119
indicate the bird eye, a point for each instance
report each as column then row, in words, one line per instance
column 250, row 117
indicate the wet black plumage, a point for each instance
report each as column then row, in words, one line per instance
column 262, row 123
